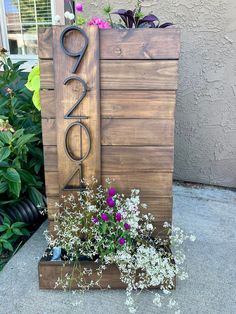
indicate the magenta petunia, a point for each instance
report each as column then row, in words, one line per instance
column 99, row 22
column 110, row 202
column 126, row 226
column 118, row 216
column 111, row 191
column 104, row 217
column 79, row 7
column 95, row 220
column 122, row 241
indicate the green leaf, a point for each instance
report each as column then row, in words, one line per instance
column 7, row 245
column 4, row 153
column 3, row 228
column 15, row 188
column 18, row 224
column 104, row 227
column 27, row 177
column 12, row 175
column 18, row 133
column 36, row 99
column 3, row 186
column 27, row 138
column 6, row 220
column 35, row 196
column 33, row 82
column 7, row 235
column 17, row 231
column 5, row 137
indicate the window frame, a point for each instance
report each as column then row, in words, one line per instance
column 30, row 59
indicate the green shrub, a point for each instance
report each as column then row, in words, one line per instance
column 21, row 155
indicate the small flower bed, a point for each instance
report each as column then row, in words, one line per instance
column 134, row 18
column 108, row 228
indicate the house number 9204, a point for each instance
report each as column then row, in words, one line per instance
column 69, row 114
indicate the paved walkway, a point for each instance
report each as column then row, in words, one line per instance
column 211, row 288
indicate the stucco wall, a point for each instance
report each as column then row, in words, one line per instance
column 205, row 141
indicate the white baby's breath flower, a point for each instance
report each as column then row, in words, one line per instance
column 149, row 227
column 71, row 16
column 192, row 238
column 67, row 14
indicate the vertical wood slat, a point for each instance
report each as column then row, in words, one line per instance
column 66, row 95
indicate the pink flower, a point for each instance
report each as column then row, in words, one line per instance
column 104, row 217
column 99, row 22
column 110, row 202
column 111, row 191
column 118, row 216
column 79, row 7
column 126, row 226
column 122, row 241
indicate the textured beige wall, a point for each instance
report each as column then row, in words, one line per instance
column 205, row 142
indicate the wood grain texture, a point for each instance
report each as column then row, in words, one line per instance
column 49, row 132
column 126, row 44
column 45, row 39
column 50, row 158
column 51, row 206
column 150, row 184
column 128, row 159
column 46, row 74
column 66, row 95
column 48, row 104
column 140, row 44
column 52, row 183
column 138, row 104
column 138, row 74
column 138, row 132
column 132, row 75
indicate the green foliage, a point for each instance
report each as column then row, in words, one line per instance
column 33, row 84
column 21, row 157
column 10, row 234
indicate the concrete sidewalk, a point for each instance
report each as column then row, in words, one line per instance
column 209, row 213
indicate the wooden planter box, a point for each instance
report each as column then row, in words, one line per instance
column 129, row 105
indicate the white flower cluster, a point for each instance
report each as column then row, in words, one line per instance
column 110, row 229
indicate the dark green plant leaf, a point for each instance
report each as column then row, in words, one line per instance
column 7, row 245
column 3, row 186
column 4, row 153
column 12, row 175
column 5, row 137
column 15, row 188
column 35, row 196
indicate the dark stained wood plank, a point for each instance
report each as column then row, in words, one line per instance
column 45, row 40
column 139, row 74
column 46, row 74
column 66, row 95
column 48, row 103
column 138, row 104
column 51, row 183
column 50, row 158
column 133, row 159
column 160, row 207
column 139, row 132
column 150, row 184
column 140, row 44
column 126, row 44
column 49, row 132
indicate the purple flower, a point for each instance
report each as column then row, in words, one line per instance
column 95, row 220
column 104, row 217
column 122, row 241
column 127, row 226
column 110, row 202
column 111, row 191
column 79, row 7
column 118, row 216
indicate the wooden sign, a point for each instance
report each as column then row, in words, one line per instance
column 108, row 101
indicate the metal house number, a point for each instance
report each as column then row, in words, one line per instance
column 78, row 123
